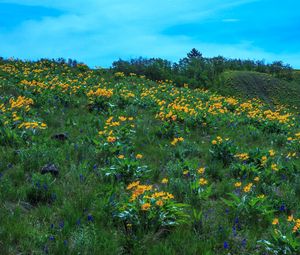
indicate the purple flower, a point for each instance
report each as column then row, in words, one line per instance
column 51, row 238
column 90, row 217
column 236, row 220
column 234, row 231
column 61, row 224
column 244, row 243
column 81, row 177
column 282, row 208
column 226, row 245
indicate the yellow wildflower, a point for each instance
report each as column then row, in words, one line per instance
column 274, row 167
column 238, row 184
column 146, row 206
column 164, row 181
column 271, row 153
column 160, row 203
column 248, row 187
column 201, row 170
column 202, row 181
column 275, row 221
column 133, row 184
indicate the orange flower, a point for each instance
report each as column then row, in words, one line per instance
column 146, row 206
column 111, row 139
column 275, row 221
column 248, row 187
column 160, row 203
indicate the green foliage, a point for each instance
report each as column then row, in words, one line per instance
column 109, row 132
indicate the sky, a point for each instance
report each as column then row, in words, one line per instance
column 98, row 32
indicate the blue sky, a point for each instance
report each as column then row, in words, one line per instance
column 98, row 32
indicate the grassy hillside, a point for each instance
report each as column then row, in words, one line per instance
column 98, row 164
column 263, row 86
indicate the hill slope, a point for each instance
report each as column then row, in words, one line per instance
column 94, row 164
column 259, row 85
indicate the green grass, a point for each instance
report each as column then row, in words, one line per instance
column 78, row 211
column 269, row 89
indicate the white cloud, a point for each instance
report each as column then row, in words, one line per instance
column 98, row 32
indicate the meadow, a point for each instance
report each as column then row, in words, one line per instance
column 93, row 162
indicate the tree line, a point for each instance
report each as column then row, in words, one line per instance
column 197, row 70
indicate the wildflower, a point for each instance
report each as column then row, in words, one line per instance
column 244, row 243
column 111, row 139
column 226, row 245
column 282, row 208
column 202, row 181
column 61, row 224
column 274, row 167
column 275, row 221
column 201, row 170
column 146, row 206
column 271, row 153
column 237, row 184
column 81, row 177
column 256, row 179
column 248, row 187
column 261, row 196
column 297, row 225
column 175, row 140
column 122, row 118
column 139, row 156
column 121, row 156
column 164, row 181
column 290, row 218
column 90, row 217
column 220, row 140
column 242, row 156
column 186, row 172
column 264, row 160
column 132, row 185
column 214, row 142
column 160, row 203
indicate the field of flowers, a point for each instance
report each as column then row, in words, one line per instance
column 100, row 163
